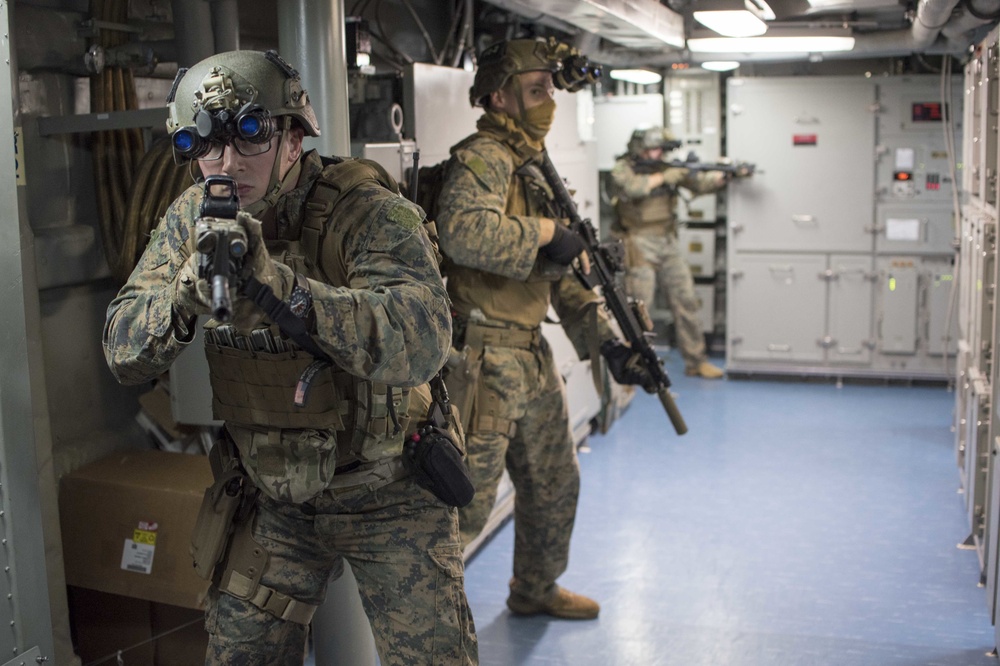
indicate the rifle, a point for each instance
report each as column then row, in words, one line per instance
column 691, row 163
column 606, row 261
column 221, row 242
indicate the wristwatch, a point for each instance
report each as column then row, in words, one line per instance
column 300, row 301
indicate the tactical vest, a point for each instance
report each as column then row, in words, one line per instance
column 254, row 377
column 656, row 210
column 523, row 303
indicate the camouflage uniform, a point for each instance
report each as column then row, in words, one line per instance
column 646, row 221
column 501, row 289
column 381, row 315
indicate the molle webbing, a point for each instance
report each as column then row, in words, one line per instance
column 382, row 420
column 478, row 337
column 653, row 210
column 259, row 387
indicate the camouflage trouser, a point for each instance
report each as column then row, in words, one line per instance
column 540, row 456
column 657, row 260
column 403, row 546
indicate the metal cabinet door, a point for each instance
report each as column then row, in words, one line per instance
column 813, row 143
column 940, row 275
column 849, row 331
column 777, row 307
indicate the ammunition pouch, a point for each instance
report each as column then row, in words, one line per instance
column 228, row 500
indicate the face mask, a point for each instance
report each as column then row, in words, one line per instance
column 537, row 121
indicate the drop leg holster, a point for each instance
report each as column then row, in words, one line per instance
column 223, row 546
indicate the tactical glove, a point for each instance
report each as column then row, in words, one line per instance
column 259, row 264
column 564, row 247
column 626, row 366
column 192, row 295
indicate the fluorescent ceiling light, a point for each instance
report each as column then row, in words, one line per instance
column 772, row 44
column 731, row 23
column 720, row 65
column 643, row 77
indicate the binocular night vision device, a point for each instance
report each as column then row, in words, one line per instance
column 249, row 129
column 576, row 72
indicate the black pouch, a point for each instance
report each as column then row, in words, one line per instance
column 437, row 465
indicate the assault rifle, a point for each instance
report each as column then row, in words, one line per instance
column 691, row 163
column 606, row 262
column 221, row 241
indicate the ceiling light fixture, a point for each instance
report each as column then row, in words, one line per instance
column 643, row 77
column 783, row 41
column 732, row 18
column 720, row 65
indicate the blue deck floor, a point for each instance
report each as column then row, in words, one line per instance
column 796, row 524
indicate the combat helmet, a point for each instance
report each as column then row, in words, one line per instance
column 652, row 137
column 237, row 94
column 570, row 69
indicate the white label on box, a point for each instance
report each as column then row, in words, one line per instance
column 902, row 230
column 138, row 557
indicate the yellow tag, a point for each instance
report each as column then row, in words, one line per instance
column 143, row 536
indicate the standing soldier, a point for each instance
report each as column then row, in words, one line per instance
column 506, row 260
column 646, row 220
column 333, row 252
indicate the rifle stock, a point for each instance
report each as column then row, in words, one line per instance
column 606, row 262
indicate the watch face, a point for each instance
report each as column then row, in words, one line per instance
column 299, row 302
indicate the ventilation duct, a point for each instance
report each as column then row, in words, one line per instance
column 635, row 24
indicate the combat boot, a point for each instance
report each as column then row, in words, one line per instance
column 704, row 369
column 559, row 603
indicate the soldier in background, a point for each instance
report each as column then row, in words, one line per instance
column 507, row 259
column 646, row 221
column 332, row 246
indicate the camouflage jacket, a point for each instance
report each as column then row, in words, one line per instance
column 488, row 221
column 390, row 323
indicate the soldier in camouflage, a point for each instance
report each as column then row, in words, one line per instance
column 646, row 221
column 507, row 260
column 333, row 240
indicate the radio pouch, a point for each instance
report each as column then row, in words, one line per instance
column 434, row 458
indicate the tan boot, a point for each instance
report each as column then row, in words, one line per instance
column 558, row 603
column 704, row 369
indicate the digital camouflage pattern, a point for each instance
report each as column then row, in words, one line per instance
column 540, row 458
column 647, row 224
column 404, row 552
column 488, row 223
column 489, row 227
column 382, row 314
column 389, row 322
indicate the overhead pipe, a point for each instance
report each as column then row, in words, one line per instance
column 192, row 31
column 225, row 25
column 311, row 37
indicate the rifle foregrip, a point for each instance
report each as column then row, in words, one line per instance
column 675, row 414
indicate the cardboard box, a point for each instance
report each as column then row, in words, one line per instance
column 127, row 522
column 143, row 631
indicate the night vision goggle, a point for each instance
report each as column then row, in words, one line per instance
column 575, row 72
column 248, row 130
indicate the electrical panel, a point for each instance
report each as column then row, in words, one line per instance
column 855, row 177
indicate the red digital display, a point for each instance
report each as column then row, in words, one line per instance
column 923, row 112
column 804, row 139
